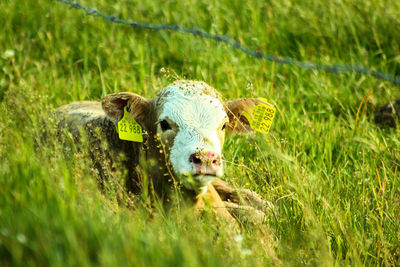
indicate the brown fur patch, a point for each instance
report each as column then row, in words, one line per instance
column 235, row 108
column 211, row 196
column 113, row 105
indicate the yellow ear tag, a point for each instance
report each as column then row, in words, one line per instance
column 261, row 116
column 129, row 129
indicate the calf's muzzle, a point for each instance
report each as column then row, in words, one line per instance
column 206, row 163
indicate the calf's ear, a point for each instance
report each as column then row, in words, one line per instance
column 238, row 123
column 114, row 104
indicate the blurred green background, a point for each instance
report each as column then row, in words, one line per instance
column 332, row 175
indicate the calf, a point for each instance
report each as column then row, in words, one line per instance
column 183, row 133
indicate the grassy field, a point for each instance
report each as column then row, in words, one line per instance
column 332, row 175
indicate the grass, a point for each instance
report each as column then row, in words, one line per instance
column 332, row 174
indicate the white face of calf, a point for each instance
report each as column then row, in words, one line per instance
column 190, row 120
column 193, row 119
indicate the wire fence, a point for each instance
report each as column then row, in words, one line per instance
column 337, row 68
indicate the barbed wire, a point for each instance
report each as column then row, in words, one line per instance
column 336, row 68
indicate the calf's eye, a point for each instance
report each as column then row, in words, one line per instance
column 223, row 127
column 164, row 125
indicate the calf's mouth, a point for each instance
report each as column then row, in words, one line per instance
column 198, row 181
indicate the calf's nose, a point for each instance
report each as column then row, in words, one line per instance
column 206, row 163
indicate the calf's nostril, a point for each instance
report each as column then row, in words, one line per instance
column 197, row 160
column 207, row 159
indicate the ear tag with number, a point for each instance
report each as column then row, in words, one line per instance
column 261, row 116
column 129, row 129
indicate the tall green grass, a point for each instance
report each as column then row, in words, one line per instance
column 332, row 175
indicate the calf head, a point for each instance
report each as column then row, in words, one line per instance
column 186, row 123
